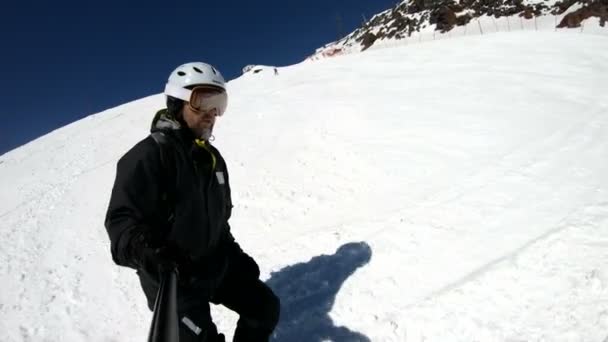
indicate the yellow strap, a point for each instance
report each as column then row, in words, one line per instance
column 203, row 144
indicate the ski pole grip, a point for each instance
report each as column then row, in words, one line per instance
column 165, row 326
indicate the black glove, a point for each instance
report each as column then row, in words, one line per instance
column 150, row 257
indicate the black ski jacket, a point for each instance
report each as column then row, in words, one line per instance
column 179, row 195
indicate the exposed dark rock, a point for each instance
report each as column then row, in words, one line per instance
column 596, row 9
column 368, row 40
column 444, row 17
column 528, row 13
column 463, row 19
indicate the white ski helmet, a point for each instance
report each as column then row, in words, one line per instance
column 196, row 73
column 189, row 75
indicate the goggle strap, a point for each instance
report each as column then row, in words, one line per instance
column 178, row 92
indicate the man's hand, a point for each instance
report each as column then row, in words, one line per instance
column 153, row 259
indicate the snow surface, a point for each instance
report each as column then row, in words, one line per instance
column 449, row 191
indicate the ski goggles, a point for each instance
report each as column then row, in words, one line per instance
column 201, row 98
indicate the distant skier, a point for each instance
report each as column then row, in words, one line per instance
column 276, row 72
column 170, row 207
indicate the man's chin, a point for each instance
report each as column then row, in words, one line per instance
column 205, row 133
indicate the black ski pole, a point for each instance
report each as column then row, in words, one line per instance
column 164, row 326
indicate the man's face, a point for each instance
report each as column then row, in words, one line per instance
column 206, row 103
column 201, row 121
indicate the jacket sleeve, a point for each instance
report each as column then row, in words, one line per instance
column 135, row 200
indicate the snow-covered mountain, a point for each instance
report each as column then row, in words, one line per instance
column 451, row 191
column 414, row 16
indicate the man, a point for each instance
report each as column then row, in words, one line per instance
column 170, row 207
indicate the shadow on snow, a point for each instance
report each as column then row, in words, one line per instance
column 308, row 291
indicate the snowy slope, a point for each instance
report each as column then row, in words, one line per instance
column 449, row 191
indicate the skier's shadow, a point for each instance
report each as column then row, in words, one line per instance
column 308, row 291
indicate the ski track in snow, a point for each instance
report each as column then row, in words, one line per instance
column 449, row 191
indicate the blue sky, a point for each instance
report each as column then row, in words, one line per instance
column 63, row 60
